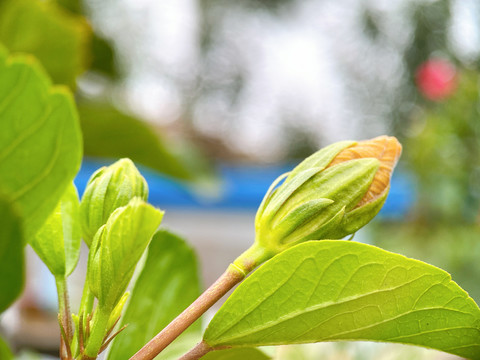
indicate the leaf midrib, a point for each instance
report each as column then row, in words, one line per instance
column 324, row 305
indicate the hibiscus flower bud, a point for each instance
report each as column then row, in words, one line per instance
column 329, row 195
column 116, row 249
column 108, row 189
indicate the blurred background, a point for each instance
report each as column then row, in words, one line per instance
column 215, row 99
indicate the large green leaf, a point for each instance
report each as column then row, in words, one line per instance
column 11, row 255
column 340, row 290
column 237, row 354
column 57, row 242
column 55, row 37
column 102, row 52
column 40, row 139
column 109, row 133
column 5, row 352
column 167, row 284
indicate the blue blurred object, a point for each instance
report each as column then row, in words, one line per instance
column 242, row 188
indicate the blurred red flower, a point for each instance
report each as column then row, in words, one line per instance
column 436, row 79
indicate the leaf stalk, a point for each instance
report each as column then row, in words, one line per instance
column 65, row 319
column 232, row 276
column 201, row 349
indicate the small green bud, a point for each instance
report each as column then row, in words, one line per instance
column 329, row 195
column 116, row 249
column 108, row 189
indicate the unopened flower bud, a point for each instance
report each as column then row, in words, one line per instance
column 331, row 194
column 108, row 189
column 116, row 249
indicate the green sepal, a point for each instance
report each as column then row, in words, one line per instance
column 296, row 218
column 76, row 321
column 345, row 183
column 268, row 195
column 314, row 203
column 108, row 189
column 117, row 312
column 57, row 243
column 117, row 247
column 359, row 217
column 320, row 159
column 283, row 193
column 314, row 230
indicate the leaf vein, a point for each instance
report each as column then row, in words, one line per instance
column 319, row 307
column 53, row 159
column 18, row 88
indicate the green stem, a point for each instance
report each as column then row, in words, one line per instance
column 234, row 274
column 99, row 329
column 65, row 315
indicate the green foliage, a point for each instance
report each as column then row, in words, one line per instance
column 430, row 32
column 11, row 256
column 101, row 50
column 237, row 354
column 110, row 133
column 55, row 37
column 117, row 248
column 5, row 353
column 167, row 284
column 40, row 140
column 446, row 137
column 57, row 242
column 109, row 188
column 74, row 6
column 339, row 290
column 103, row 57
column 454, row 248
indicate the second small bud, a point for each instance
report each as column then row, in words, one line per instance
column 108, row 189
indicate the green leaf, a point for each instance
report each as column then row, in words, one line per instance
column 340, row 290
column 108, row 133
column 237, row 354
column 5, row 352
column 11, row 256
column 74, row 6
column 58, row 39
column 167, row 284
column 117, row 248
column 40, row 139
column 103, row 57
column 57, row 242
